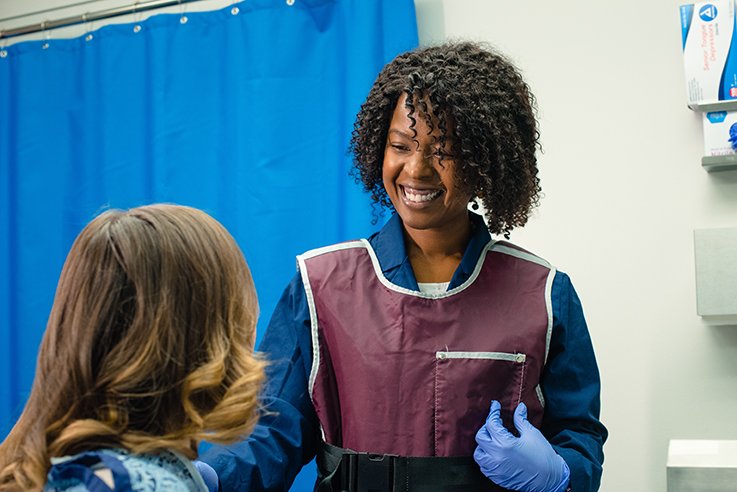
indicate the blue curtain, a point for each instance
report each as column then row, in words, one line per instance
column 244, row 113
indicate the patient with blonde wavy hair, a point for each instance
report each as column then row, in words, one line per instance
column 147, row 351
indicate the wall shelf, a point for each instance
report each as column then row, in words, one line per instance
column 715, row 163
column 708, row 107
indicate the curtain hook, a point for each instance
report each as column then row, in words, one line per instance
column 3, row 40
column 182, row 9
column 235, row 9
column 87, row 26
column 47, row 34
column 136, row 17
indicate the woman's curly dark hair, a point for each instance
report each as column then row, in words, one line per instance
column 493, row 115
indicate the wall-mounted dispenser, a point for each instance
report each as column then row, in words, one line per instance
column 715, row 252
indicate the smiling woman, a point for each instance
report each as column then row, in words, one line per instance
column 411, row 357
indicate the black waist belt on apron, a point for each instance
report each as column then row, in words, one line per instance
column 343, row 470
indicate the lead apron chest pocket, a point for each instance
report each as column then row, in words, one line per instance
column 465, row 384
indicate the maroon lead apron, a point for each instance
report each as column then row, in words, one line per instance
column 401, row 372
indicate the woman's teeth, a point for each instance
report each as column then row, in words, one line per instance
column 420, row 197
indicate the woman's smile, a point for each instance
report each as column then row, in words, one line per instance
column 415, row 196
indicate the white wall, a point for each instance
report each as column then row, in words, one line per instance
column 624, row 190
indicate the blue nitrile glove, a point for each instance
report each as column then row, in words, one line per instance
column 208, row 475
column 527, row 463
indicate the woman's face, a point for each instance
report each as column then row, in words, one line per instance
column 422, row 188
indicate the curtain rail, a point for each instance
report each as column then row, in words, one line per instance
column 92, row 16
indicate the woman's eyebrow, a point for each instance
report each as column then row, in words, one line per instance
column 401, row 133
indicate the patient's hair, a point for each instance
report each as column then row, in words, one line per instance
column 149, row 345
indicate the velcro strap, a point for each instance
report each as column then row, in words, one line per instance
column 344, row 470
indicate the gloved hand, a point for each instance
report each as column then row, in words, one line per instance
column 208, row 475
column 527, row 463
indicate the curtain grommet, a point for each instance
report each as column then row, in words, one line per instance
column 234, row 10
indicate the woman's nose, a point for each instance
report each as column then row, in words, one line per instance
column 420, row 164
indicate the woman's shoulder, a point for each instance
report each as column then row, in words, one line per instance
column 167, row 471
column 511, row 249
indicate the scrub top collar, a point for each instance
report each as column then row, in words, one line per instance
column 396, row 267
